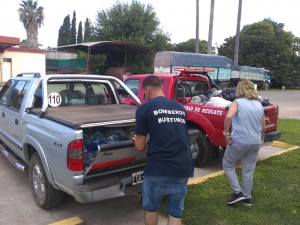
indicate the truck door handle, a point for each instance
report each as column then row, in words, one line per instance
column 3, row 114
column 16, row 121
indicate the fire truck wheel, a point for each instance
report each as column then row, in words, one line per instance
column 201, row 150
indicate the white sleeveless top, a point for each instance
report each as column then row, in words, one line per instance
column 246, row 124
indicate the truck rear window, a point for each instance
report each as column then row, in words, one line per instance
column 79, row 93
column 192, row 87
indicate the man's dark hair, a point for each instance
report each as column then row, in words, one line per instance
column 152, row 81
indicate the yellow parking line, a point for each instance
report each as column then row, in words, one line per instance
column 204, row 178
column 71, row 221
column 221, row 172
column 282, row 144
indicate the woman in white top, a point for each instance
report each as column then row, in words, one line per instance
column 247, row 121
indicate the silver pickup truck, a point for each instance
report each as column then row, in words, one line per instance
column 74, row 134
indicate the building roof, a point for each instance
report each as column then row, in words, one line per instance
column 7, row 42
column 27, row 50
column 106, row 47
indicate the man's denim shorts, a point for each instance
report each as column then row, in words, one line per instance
column 155, row 187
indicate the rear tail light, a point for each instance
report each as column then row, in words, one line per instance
column 75, row 155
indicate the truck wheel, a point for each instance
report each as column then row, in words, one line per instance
column 266, row 85
column 45, row 195
column 201, row 150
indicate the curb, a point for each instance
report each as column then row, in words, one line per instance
column 71, row 221
column 288, row 147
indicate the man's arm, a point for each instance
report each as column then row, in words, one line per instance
column 140, row 142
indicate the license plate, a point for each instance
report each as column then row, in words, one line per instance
column 137, row 178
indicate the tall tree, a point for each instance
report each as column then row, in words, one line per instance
column 87, row 31
column 64, row 34
column 266, row 44
column 32, row 17
column 73, row 29
column 79, row 34
column 133, row 21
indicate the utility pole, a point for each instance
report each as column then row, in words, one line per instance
column 237, row 36
column 197, row 27
column 211, row 25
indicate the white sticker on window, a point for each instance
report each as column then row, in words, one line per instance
column 54, row 99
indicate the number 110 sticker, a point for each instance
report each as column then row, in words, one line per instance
column 54, row 99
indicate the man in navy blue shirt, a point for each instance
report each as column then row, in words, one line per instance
column 169, row 159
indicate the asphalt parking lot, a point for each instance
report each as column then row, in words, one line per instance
column 288, row 102
column 18, row 207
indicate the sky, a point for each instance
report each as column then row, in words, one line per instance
column 176, row 17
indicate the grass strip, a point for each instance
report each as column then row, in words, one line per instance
column 275, row 194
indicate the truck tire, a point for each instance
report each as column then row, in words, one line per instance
column 201, row 150
column 266, row 85
column 45, row 195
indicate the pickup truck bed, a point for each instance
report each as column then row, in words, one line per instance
column 77, row 117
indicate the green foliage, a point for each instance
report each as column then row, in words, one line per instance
column 64, row 34
column 79, row 34
column 32, row 18
column 98, row 63
column 296, row 44
column 189, row 46
column 265, row 44
column 88, row 31
column 227, row 48
column 23, row 44
column 133, row 22
column 73, row 29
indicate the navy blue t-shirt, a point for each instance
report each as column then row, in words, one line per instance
column 169, row 152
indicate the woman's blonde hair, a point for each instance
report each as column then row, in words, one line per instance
column 245, row 89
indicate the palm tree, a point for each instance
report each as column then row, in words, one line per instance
column 32, row 18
